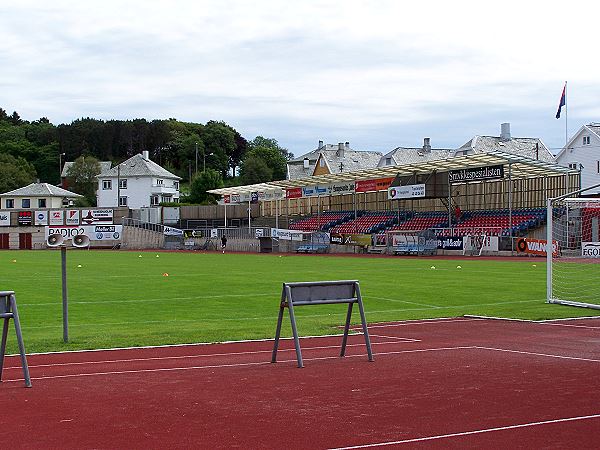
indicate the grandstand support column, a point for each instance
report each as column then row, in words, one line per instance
column 249, row 219
column 449, row 203
column 225, row 213
column 510, row 197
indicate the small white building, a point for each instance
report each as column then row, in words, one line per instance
column 37, row 195
column 137, row 183
column 582, row 152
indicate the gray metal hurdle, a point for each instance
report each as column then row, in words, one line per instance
column 8, row 310
column 320, row 293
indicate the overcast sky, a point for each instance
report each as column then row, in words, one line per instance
column 379, row 74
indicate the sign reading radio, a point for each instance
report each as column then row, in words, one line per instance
column 476, row 174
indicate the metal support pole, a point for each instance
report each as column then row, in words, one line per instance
column 510, row 191
column 346, row 329
column 65, row 301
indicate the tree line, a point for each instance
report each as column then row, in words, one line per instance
column 206, row 156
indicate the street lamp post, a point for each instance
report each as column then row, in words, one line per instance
column 196, row 158
column 204, row 161
column 60, row 155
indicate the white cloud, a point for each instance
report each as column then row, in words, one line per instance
column 334, row 67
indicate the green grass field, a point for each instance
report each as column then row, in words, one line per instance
column 119, row 299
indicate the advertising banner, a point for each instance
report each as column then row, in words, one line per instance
column 41, row 218
column 72, row 217
column 25, row 218
column 476, row 174
column 535, row 246
column 450, row 243
column 286, row 235
column 350, row 239
column 4, row 218
column 590, row 249
column 94, row 232
column 380, row 184
column 57, row 217
column 342, row 188
column 96, row 216
column 293, row 193
column 170, row 231
column 409, row 191
column 314, row 191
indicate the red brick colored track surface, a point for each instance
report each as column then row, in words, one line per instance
column 448, row 383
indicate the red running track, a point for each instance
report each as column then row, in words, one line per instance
column 448, row 383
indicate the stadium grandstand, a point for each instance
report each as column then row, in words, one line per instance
column 498, row 191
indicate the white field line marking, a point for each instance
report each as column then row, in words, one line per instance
column 148, row 300
column 467, row 433
column 209, row 355
column 547, row 355
column 217, row 366
column 436, row 319
column 405, row 301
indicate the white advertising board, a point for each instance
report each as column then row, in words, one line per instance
column 57, row 217
column 409, row 191
column 72, row 217
column 97, row 216
column 41, row 218
column 94, row 232
column 4, row 218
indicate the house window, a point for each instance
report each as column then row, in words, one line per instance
column 388, row 161
column 123, row 183
column 10, row 202
column 322, row 162
column 598, row 166
column 107, row 185
column 586, row 140
column 574, row 165
column 26, row 203
column 159, row 182
column 154, row 200
column 123, row 201
column 176, row 184
column 41, row 202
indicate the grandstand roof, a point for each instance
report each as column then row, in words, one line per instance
column 521, row 167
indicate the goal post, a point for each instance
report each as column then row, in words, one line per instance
column 573, row 250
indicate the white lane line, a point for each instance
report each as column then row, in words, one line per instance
column 402, row 324
column 209, row 355
column 467, row 433
column 396, row 338
column 547, row 355
column 217, row 366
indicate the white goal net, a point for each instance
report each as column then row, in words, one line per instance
column 573, row 269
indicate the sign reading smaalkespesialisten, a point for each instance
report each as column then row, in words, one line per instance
column 476, row 174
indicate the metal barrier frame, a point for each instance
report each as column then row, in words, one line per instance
column 8, row 310
column 320, row 293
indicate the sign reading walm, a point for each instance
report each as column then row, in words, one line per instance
column 476, row 174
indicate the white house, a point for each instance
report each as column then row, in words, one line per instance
column 583, row 152
column 137, row 183
column 37, row 195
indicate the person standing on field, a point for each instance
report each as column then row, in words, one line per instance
column 223, row 243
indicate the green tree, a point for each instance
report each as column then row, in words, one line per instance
column 254, row 170
column 82, row 177
column 204, row 181
column 219, row 144
column 15, row 172
column 271, row 154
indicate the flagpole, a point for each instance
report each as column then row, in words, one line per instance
column 566, row 117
